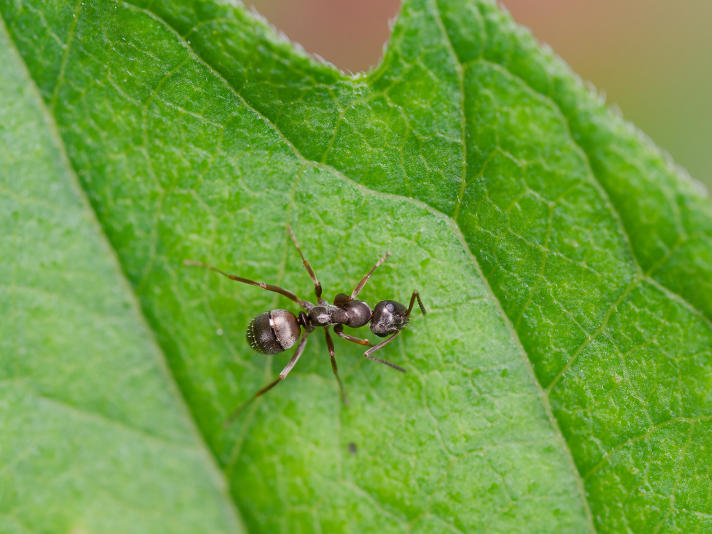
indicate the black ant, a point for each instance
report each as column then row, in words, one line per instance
column 275, row 331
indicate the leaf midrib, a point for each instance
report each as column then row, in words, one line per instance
column 640, row 273
column 416, row 202
column 200, row 441
column 451, row 220
column 460, row 67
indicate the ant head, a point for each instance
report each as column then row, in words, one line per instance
column 273, row 331
column 388, row 318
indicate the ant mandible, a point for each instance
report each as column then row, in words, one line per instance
column 275, row 331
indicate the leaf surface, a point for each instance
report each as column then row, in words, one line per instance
column 94, row 436
column 562, row 380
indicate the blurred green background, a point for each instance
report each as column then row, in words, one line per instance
column 650, row 57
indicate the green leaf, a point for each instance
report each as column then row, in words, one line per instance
column 561, row 381
column 94, row 436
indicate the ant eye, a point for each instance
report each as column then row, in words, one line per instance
column 390, row 307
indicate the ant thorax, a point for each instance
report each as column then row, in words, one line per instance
column 327, row 315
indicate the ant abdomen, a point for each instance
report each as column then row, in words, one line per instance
column 273, row 332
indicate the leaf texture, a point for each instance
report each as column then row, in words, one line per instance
column 562, row 380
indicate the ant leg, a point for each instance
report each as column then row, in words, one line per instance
column 269, row 287
column 339, row 329
column 317, row 285
column 363, row 281
column 382, row 344
column 414, row 296
column 330, row 345
column 287, row 368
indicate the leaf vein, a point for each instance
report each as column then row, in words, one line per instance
column 596, row 181
column 453, row 223
column 200, row 443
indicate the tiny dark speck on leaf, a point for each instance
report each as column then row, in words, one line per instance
column 352, row 448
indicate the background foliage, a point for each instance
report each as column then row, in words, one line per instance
column 560, row 383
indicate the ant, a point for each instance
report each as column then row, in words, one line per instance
column 276, row 331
